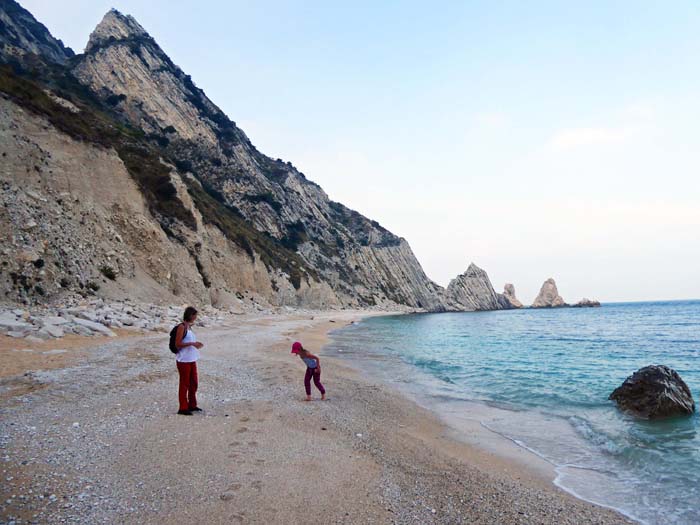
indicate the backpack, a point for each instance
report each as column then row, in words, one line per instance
column 173, row 335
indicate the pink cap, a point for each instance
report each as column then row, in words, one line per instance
column 296, row 347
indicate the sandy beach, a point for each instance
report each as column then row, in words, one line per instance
column 94, row 438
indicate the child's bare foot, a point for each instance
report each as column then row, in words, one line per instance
column 308, row 398
column 323, row 397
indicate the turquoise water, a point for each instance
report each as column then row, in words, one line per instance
column 546, row 376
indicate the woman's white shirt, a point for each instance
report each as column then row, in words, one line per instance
column 188, row 354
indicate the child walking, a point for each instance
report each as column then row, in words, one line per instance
column 313, row 370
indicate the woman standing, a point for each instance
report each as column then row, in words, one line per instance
column 187, row 356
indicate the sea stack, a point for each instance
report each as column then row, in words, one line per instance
column 508, row 297
column 472, row 291
column 549, row 296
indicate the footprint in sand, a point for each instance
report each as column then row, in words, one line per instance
column 233, row 456
column 245, row 418
column 238, row 518
column 235, row 444
column 259, row 461
column 242, row 429
column 252, row 443
column 256, row 485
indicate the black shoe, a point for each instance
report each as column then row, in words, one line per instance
column 196, row 409
column 184, row 412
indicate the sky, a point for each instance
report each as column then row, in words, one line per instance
column 536, row 139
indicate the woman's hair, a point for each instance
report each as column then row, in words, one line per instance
column 190, row 312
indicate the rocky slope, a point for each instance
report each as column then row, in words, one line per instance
column 363, row 262
column 21, row 34
column 549, row 296
column 122, row 179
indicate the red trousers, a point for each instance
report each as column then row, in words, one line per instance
column 188, row 385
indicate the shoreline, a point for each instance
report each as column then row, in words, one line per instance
column 520, row 460
column 368, row 454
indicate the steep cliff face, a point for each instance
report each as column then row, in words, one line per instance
column 122, row 178
column 549, row 296
column 362, row 262
column 75, row 219
column 20, row 34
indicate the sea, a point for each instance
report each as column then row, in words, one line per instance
column 541, row 379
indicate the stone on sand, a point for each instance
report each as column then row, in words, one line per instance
column 95, row 327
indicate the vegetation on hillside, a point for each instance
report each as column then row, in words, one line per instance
column 93, row 125
column 143, row 161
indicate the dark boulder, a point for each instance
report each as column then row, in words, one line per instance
column 586, row 303
column 654, row 391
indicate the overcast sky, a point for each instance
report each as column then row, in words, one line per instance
column 537, row 139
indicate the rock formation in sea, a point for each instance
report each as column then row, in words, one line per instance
column 586, row 303
column 122, row 179
column 508, row 299
column 472, row 291
column 655, row 391
column 549, row 296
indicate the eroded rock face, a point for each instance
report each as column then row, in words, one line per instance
column 509, row 299
column 189, row 208
column 21, row 34
column 361, row 261
column 586, row 303
column 549, row 296
column 655, row 391
column 472, row 291
column 114, row 26
column 78, row 216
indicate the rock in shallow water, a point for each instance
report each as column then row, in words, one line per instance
column 654, row 391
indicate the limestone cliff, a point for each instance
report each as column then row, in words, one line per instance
column 121, row 178
column 21, row 34
column 77, row 220
column 223, row 218
column 361, row 261
column 549, row 296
